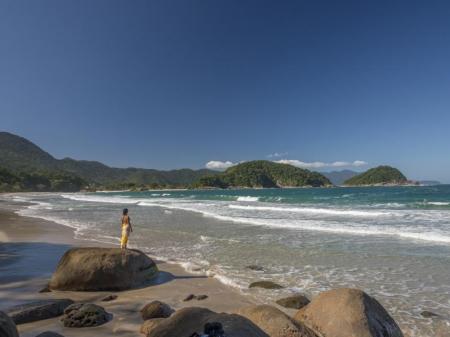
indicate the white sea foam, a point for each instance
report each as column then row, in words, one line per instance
column 326, row 211
column 247, row 198
column 103, row 199
column 438, row 203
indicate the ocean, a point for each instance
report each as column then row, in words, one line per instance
column 392, row 242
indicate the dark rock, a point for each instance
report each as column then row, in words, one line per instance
column 39, row 310
column 348, row 312
column 293, row 302
column 255, row 267
column 191, row 322
column 275, row 323
column 156, row 309
column 46, row 289
column 428, row 314
column 150, row 324
column 189, row 297
column 265, row 285
column 49, row 334
column 85, row 315
column 7, row 326
column 98, row 269
column 201, row 297
column 214, row 329
column 108, row 298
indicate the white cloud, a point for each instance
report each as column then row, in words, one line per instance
column 219, row 165
column 277, row 154
column 319, row 164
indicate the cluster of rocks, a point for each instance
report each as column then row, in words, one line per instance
column 335, row 313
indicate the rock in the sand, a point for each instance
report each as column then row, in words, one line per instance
column 97, row 269
column 46, row 289
column 201, row 297
column 150, row 324
column 348, row 313
column 39, row 310
column 82, row 315
column 187, row 321
column 189, row 297
column 265, row 285
column 7, row 326
column 156, row 309
column 109, row 298
column 274, row 322
column 293, row 302
column 49, row 334
column 428, row 314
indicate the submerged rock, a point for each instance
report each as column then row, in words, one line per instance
column 255, row 267
column 85, row 315
column 428, row 314
column 191, row 321
column 39, row 310
column 293, row 302
column 274, row 322
column 265, row 285
column 7, row 326
column 156, row 309
column 97, row 269
column 109, row 298
column 189, row 297
column 348, row 313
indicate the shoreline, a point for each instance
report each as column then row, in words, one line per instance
column 32, row 247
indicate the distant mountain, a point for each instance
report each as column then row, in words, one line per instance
column 263, row 173
column 19, row 155
column 381, row 175
column 339, row 177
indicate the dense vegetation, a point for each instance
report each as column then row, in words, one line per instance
column 262, row 173
column 39, row 181
column 25, row 159
column 381, row 175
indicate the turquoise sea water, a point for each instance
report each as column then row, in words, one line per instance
column 393, row 242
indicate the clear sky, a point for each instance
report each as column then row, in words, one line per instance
column 170, row 84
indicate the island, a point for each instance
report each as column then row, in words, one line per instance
column 379, row 176
column 263, row 174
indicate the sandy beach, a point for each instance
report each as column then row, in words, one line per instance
column 30, row 250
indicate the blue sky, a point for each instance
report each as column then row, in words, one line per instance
column 170, row 84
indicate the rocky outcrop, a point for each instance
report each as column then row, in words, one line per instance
column 265, row 285
column 97, row 269
column 83, row 315
column 39, row 310
column 156, row 309
column 7, row 326
column 348, row 313
column 293, row 302
column 188, row 321
column 274, row 322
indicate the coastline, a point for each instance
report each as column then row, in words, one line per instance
column 32, row 247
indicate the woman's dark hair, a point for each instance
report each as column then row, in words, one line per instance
column 125, row 211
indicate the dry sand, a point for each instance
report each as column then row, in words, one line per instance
column 30, row 249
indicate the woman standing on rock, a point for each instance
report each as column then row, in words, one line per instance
column 126, row 229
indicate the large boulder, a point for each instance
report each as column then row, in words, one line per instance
column 82, row 315
column 156, row 309
column 36, row 311
column 7, row 326
column 150, row 324
column 274, row 322
column 97, row 269
column 293, row 302
column 348, row 313
column 187, row 321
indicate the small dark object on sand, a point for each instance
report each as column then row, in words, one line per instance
column 108, row 298
column 428, row 314
column 189, row 297
column 46, row 289
column 255, row 267
column 201, row 297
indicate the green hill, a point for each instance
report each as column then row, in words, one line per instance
column 381, row 175
column 23, row 158
column 262, row 173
